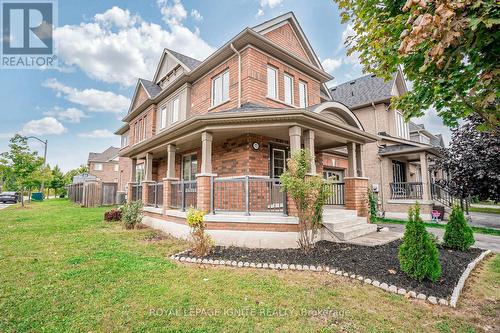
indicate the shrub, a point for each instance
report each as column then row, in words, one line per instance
column 113, row 215
column 372, row 204
column 458, row 234
column 132, row 214
column 309, row 194
column 203, row 243
column 418, row 254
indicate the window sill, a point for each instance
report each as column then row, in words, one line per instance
column 281, row 102
column 221, row 103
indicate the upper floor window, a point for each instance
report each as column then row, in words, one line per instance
column 272, row 83
column 220, row 88
column 402, row 126
column 125, row 139
column 98, row 167
column 288, row 89
column 302, row 94
column 175, row 110
column 163, row 117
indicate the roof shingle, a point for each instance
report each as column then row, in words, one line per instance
column 191, row 63
column 105, row 156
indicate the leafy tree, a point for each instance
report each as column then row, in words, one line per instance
column 57, row 181
column 472, row 162
column 309, row 195
column 448, row 49
column 418, row 255
column 372, row 204
column 21, row 165
column 458, row 234
column 68, row 176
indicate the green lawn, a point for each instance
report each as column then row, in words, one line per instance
column 488, row 210
column 62, row 269
column 479, row 230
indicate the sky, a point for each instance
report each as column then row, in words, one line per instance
column 103, row 46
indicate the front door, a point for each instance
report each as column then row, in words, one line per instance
column 278, row 162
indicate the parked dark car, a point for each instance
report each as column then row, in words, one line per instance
column 9, row 197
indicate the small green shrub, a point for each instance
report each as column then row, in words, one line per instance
column 113, row 215
column 418, row 254
column 203, row 243
column 372, row 204
column 131, row 214
column 458, row 234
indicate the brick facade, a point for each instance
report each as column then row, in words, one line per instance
column 356, row 195
column 108, row 172
column 285, row 37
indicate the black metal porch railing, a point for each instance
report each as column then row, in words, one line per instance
column 248, row 195
column 406, row 190
column 183, row 194
column 155, row 195
column 136, row 192
column 442, row 195
column 337, row 193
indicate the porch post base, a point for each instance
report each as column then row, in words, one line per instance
column 356, row 194
column 129, row 191
column 203, row 197
column 167, row 192
column 145, row 191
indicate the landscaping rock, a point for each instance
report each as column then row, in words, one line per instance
column 265, row 265
column 353, row 276
column 278, row 266
column 183, row 259
column 198, row 261
column 384, row 286
column 285, row 266
column 376, row 283
column 259, row 265
column 401, row 291
column 368, row 281
column 240, row 264
column 252, row 264
column 299, row 267
column 432, row 300
column 234, row 263
column 292, row 267
column 211, row 262
column 205, row 261
column 421, row 296
column 339, row 273
column 272, row 266
column 216, row 262
column 393, row 289
column 305, row 267
column 442, row 301
column 412, row 294
column 246, row 264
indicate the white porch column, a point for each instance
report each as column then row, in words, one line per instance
column 206, row 153
column 424, row 171
column 359, row 160
column 133, row 169
column 351, row 160
column 148, row 167
column 171, row 161
column 295, row 133
column 309, row 146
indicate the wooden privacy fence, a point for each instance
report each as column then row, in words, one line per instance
column 92, row 194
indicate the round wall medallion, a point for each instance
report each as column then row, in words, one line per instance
column 256, row 145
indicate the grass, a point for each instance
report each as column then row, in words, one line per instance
column 479, row 230
column 62, row 269
column 489, row 210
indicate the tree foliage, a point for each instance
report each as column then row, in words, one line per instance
column 458, row 234
column 472, row 162
column 309, row 195
column 418, row 255
column 57, row 181
column 68, row 176
column 448, row 49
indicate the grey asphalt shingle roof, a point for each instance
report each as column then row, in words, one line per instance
column 191, row 63
column 363, row 91
column 152, row 88
column 105, row 156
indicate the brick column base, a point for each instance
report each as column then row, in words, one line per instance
column 203, row 192
column 167, row 192
column 291, row 207
column 145, row 191
column 356, row 194
column 129, row 192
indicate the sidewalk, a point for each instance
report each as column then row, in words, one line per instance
column 487, row 242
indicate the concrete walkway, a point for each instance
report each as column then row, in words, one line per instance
column 487, row 242
column 3, row 205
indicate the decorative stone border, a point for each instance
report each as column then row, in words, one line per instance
column 382, row 285
column 465, row 275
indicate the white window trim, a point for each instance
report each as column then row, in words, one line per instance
column 100, row 167
column 291, row 102
column 272, row 159
column 306, row 102
column 223, row 100
column 270, row 68
column 163, row 117
column 176, row 112
column 402, row 127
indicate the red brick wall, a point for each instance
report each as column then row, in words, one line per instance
column 285, row 37
column 340, row 161
column 148, row 115
column 140, row 97
column 107, row 174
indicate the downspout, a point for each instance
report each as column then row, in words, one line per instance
column 239, row 74
column 379, row 159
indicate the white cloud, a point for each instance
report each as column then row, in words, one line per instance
column 267, row 3
column 196, row 15
column 95, row 100
column 44, row 126
column 71, row 115
column 97, row 134
column 352, row 59
column 117, row 47
column 330, row 64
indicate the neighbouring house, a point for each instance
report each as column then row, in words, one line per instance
column 397, row 164
column 105, row 166
column 215, row 134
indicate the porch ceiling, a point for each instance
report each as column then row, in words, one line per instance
column 223, row 125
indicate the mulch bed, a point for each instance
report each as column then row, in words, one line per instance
column 377, row 263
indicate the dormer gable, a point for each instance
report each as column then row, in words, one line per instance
column 144, row 90
column 286, row 32
column 172, row 61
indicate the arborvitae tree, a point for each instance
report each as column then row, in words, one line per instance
column 458, row 234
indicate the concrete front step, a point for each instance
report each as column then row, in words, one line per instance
column 346, row 224
column 334, row 225
column 355, row 231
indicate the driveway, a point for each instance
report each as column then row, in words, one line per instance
column 487, row 220
column 487, row 242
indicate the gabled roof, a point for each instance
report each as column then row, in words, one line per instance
column 363, row 91
column 105, row 156
column 190, row 63
column 151, row 88
column 435, row 139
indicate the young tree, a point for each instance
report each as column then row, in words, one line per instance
column 309, row 195
column 448, row 49
column 21, row 164
column 472, row 162
column 57, row 181
column 458, row 234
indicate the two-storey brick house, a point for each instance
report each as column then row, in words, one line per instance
column 104, row 166
column 216, row 134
